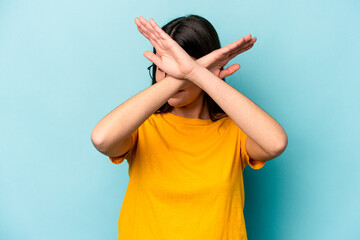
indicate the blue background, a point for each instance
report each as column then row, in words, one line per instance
column 64, row 65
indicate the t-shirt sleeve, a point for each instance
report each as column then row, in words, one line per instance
column 129, row 154
column 245, row 158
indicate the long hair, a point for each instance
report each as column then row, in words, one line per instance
column 197, row 37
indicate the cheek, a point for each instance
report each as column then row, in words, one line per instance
column 159, row 76
column 193, row 93
column 194, row 89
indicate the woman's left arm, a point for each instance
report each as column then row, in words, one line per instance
column 266, row 138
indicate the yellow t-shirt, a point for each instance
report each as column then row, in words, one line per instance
column 186, row 180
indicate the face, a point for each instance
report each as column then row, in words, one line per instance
column 189, row 95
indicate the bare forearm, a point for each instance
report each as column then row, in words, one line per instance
column 254, row 121
column 128, row 116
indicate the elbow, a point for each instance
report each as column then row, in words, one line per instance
column 97, row 141
column 280, row 146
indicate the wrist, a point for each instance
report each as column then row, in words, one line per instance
column 194, row 72
column 180, row 83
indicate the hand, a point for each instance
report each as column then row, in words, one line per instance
column 218, row 58
column 176, row 62
column 172, row 58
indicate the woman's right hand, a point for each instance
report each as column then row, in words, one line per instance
column 218, row 58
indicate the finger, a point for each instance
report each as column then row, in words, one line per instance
column 229, row 71
column 142, row 23
column 247, row 48
column 145, row 33
column 156, row 28
column 153, row 58
column 251, row 42
column 144, row 29
column 231, row 56
column 164, row 39
column 148, row 27
column 149, row 38
column 163, row 35
column 141, row 28
column 238, row 45
column 244, row 48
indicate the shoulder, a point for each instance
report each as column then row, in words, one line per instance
column 154, row 119
column 156, row 116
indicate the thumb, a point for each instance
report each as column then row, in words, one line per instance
column 153, row 58
column 229, row 71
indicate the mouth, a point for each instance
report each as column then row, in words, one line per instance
column 179, row 91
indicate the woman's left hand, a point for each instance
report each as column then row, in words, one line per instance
column 171, row 57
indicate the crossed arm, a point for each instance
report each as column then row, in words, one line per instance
column 266, row 138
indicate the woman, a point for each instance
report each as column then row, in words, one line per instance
column 187, row 138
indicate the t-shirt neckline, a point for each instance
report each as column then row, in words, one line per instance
column 185, row 120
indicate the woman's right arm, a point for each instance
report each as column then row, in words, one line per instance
column 112, row 134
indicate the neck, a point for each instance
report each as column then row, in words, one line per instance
column 197, row 109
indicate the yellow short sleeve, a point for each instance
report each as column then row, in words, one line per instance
column 246, row 160
column 128, row 155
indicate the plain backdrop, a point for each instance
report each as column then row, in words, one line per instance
column 65, row 64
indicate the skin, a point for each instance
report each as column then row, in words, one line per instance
column 189, row 102
column 112, row 134
column 266, row 138
column 192, row 105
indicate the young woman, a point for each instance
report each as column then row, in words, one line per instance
column 187, row 138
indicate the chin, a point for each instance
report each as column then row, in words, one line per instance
column 176, row 104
